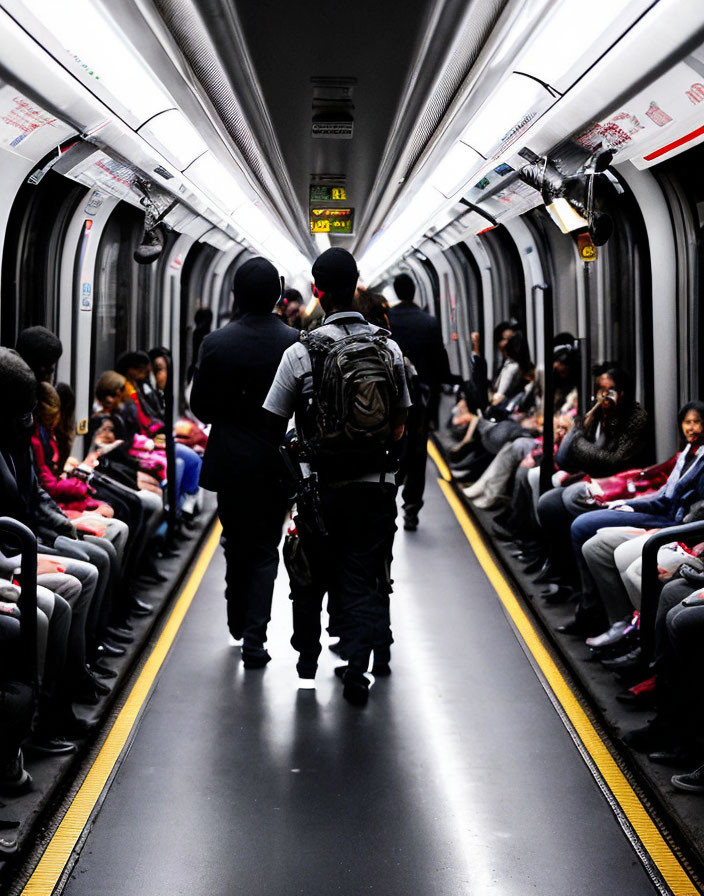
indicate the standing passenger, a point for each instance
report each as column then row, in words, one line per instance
column 419, row 337
column 235, row 369
column 347, row 443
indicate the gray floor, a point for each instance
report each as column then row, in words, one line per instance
column 457, row 778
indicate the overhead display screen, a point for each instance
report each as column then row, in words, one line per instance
column 319, row 193
column 332, row 220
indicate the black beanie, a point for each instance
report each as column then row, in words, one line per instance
column 404, row 287
column 257, row 287
column 335, row 271
column 39, row 347
column 18, row 385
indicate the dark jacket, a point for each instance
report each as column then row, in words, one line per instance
column 625, row 444
column 235, row 369
column 23, row 499
column 419, row 337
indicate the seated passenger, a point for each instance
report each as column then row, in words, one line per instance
column 71, row 493
column 135, row 367
column 611, row 437
column 673, row 736
column 22, row 498
column 605, row 541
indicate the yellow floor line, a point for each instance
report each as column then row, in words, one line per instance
column 52, row 863
column 443, row 469
column 663, row 857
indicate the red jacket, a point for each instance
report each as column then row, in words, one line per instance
column 69, row 491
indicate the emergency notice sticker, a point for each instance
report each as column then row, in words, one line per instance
column 20, row 117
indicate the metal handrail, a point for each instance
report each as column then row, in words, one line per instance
column 170, row 450
column 27, row 543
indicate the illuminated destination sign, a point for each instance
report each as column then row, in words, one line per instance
column 319, row 193
column 332, row 220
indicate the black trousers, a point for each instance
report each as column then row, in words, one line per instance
column 413, row 462
column 351, row 564
column 252, row 517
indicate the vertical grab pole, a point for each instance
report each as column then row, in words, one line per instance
column 170, row 451
column 28, row 597
column 547, row 463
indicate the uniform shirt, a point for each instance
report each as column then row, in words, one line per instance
column 295, row 366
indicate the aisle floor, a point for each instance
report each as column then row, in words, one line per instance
column 457, row 778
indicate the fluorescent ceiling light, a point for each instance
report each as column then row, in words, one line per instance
column 285, row 255
column 561, row 40
column 415, row 219
column 102, row 58
column 254, row 223
column 174, row 137
column 213, row 178
column 456, row 168
column 516, row 98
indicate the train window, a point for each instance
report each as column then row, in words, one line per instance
column 36, row 230
column 435, row 285
column 473, row 286
column 682, row 180
column 120, row 320
column 507, row 280
column 193, row 276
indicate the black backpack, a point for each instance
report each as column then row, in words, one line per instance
column 347, row 423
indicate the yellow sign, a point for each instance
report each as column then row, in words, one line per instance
column 587, row 249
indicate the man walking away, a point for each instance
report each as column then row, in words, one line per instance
column 235, row 369
column 347, row 385
column 419, row 337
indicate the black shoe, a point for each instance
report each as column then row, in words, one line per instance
column 381, row 670
column 119, row 635
column 625, row 662
column 107, row 648
column 99, row 667
column 547, row 573
column 48, row 745
column 14, row 778
column 307, row 670
column 356, row 687
column 693, row 782
column 536, row 564
column 677, row 757
column 410, row 522
column 340, row 671
column 140, row 608
column 655, row 736
column 8, row 847
column 255, row 660
column 557, row 594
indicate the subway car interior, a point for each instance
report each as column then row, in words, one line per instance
column 531, row 174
